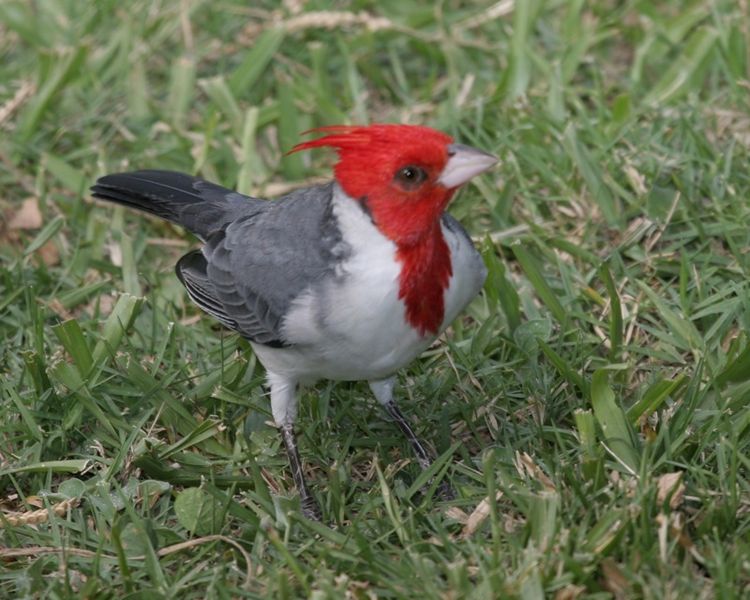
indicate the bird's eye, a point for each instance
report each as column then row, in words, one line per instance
column 410, row 177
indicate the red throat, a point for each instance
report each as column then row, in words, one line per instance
column 425, row 273
column 414, row 226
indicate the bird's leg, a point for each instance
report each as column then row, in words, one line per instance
column 394, row 411
column 284, row 409
column 383, row 391
column 310, row 507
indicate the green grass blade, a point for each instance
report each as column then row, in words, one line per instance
column 222, row 96
column 591, row 174
column 32, row 426
column 67, row 67
column 70, row 177
column 685, row 332
column 611, row 418
column 539, row 282
column 738, row 370
column 252, row 170
column 71, row 337
column 45, row 235
column 256, row 60
column 563, row 367
column 181, row 90
column 685, row 73
column 615, row 313
column 120, row 319
column 497, row 287
column 289, row 130
column 654, row 397
column 52, row 466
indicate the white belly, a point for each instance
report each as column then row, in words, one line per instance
column 353, row 326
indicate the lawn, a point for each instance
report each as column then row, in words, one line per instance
column 591, row 408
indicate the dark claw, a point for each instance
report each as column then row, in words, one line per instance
column 445, row 491
column 310, row 508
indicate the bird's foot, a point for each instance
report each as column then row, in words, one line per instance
column 310, row 509
column 445, row 491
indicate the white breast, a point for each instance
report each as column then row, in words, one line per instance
column 353, row 326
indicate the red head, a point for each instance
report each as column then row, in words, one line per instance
column 396, row 171
column 405, row 175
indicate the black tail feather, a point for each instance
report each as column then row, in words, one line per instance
column 199, row 206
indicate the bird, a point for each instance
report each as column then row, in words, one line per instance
column 347, row 280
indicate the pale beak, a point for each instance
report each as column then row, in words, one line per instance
column 464, row 162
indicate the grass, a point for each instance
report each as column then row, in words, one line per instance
column 597, row 391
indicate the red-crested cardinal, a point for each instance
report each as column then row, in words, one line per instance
column 348, row 280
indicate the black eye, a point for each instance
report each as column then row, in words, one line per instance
column 410, row 177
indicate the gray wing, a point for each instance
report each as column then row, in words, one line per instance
column 249, row 272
